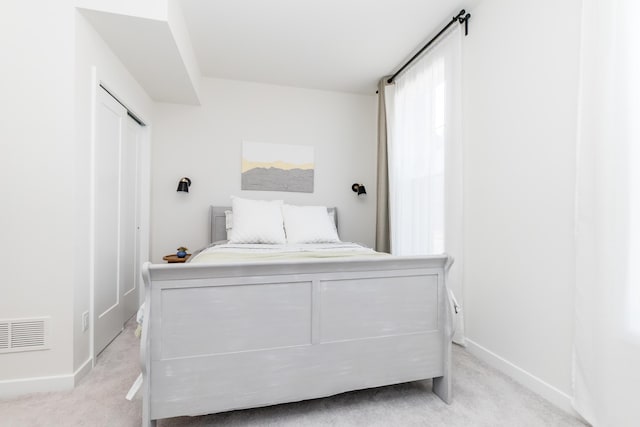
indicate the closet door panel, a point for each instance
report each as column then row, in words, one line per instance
column 107, row 305
column 128, row 217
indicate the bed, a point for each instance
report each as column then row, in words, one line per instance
column 234, row 334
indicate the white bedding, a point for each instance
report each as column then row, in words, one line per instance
column 266, row 252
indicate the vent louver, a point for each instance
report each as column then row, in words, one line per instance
column 4, row 336
column 24, row 335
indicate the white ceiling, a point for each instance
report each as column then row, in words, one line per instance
column 147, row 47
column 340, row 45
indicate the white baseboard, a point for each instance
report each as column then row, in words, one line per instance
column 22, row 386
column 533, row 383
column 83, row 370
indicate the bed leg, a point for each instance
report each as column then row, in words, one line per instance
column 442, row 385
column 442, row 388
column 146, row 413
column 147, row 421
column 145, row 357
column 146, row 400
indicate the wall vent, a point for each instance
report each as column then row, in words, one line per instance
column 24, row 334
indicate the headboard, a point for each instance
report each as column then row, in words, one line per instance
column 218, row 222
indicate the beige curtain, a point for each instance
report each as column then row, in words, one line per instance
column 383, row 240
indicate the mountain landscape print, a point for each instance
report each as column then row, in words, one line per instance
column 277, row 167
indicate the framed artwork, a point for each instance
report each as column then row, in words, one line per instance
column 277, row 167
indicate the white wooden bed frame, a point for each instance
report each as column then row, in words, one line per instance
column 223, row 337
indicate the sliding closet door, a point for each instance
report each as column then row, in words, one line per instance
column 129, row 188
column 115, row 287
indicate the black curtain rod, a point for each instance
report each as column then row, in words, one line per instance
column 461, row 18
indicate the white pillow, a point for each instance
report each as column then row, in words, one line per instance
column 308, row 224
column 257, row 221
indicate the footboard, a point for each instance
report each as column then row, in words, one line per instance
column 223, row 337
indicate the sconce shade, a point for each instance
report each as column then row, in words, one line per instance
column 184, row 184
column 359, row 188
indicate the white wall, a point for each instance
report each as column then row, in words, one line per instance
column 93, row 54
column 45, row 138
column 520, row 98
column 36, row 169
column 205, row 144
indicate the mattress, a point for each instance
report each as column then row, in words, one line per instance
column 235, row 253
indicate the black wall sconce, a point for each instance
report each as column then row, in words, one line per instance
column 359, row 188
column 184, row 184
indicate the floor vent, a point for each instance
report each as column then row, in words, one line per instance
column 24, row 334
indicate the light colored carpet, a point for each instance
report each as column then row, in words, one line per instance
column 482, row 397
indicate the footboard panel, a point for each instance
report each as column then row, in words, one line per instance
column 237, row 336
column 208, row 384
column 207, row 320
